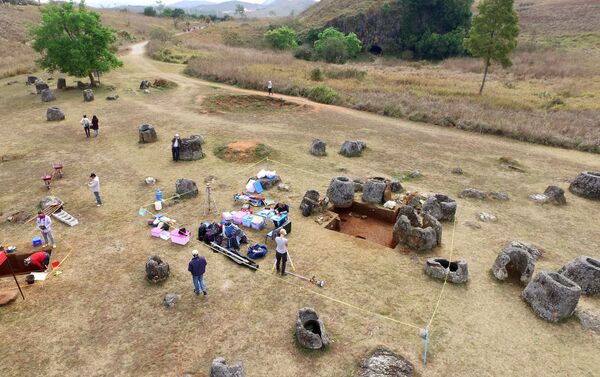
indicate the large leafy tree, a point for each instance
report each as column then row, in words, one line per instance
column 494, row 34
column 73, row 40
column 335, row 47
column 282, row 38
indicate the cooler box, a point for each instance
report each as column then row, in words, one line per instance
column 268, row 213
column 155, row 232
column 258, row 223
column 238, row 216
column 180, row 239
column 226, row 216
column 247, row 221
column 258, row 187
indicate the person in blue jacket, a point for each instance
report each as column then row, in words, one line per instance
column 197, row 267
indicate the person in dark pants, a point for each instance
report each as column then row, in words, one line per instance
column 281, row 209
column 281, row 252
column 197, row 267
column 85, row 122
column 175, row 145
column 94, row 125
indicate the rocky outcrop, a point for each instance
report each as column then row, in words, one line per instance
column 341, row 192
column 88, row 95
column 186, row 188
column 420, row 235
column 191, row 148
column 373, row 190
column 352, row 148
column 516, row 258
column 47, row 95
column 157, row 270
column 54, row 114
column 385, row 363
column 587, row 185
column 440, row 206
column 318, row 148
column 585, row 272
column 219, row 368
column 552, row 296
column 310, row 330
column 457, row 271
column 147, row 134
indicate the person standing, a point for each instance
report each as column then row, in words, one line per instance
column 44, row 224
column 94, row 185
column 175, row 146
column 197, row 267
column 94, row 126
column 270, row 87
column 39, row 260
column 85, row 122
column 281, row 251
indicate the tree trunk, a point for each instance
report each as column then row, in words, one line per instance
column 485, row 71
column 93, row 83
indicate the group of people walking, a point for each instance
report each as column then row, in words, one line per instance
column 90, row 124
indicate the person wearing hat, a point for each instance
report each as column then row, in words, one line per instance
column 94, row 185
column 175, row 145
column 197, row 267
column 39, row 260
column 43, row 223
column 281, row 251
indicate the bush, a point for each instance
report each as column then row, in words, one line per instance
column 231, row 38
column 323, row 94
column 440, row 46
column 281, row 38
column 160, row 34
column 316, row 74
column 335, row 47
column 150, row 11
column 312, row 35
column 346, row 74
column 305, row 53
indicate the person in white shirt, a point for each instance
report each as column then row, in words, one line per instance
column 85, row 122
column 270, row 87
column 175, row 146
column 44, row 224
column 281, row 251
column 94, row 185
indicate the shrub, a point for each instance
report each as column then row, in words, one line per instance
column 312, row 35
column 335, row 47
column 231, row 38
column 323, row 94
column 160, row 34
column 281, row 38
column 316, row 74
column 440, row 46
column 150, row 11
column 341, row 74
column 305, row 53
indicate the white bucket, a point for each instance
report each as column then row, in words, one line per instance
column 158, row 205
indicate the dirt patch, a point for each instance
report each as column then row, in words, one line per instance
column 243, row 151
column 11, row 157
column 249, row 103
column 366, row 222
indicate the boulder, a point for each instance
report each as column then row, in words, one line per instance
column 358, row 185
column 585, row 272
column 414, row 174
column 587, row 185
column 341, row 192
column 31, row 80
column 54, row 114
column 396, row 186
column 186, row 188
column 6, row 297
column 112, row 97
column 191, row 148
column 552, row 296
column 458, row 171
column 157, row 270
column 515, row 258
column 219, row 368
column 310, row 330
column 47, row 95
column 373, row 190
column 311, row 203
column 539, row 198
column 170, row 300
column 418, row 237
column 352, row 148
column 61, row 83
column 437, row 268
column 40, row 85
column 145, row 84
column 283, row 187
column 555, row 195
column 588, row 320
column 385, row 363
column 472, row 193
column 150, row 181
column 497, row 195
column 440, row 206
column 318, row 148
column 487, row 217
column 411, row 214
column 88, row 95
column 147, row 134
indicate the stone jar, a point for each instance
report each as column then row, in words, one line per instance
column 552, row 296
column 341, row 192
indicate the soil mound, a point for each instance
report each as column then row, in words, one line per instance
column 243, row 103
column 243, row 151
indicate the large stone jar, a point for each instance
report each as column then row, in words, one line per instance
column 341, row 192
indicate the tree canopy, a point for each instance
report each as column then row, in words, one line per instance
column 72, row 40
column 282, row 38
column 335, row 47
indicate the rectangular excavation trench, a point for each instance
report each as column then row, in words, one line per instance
column 365, row 221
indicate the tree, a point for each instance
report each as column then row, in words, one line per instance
column 150, row 11
column 494, row 34
column 335, row 47
column 282, row 38
column 240, row 10
column 177, row 15
column 73, row 40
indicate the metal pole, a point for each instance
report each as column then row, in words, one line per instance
column 14, row 277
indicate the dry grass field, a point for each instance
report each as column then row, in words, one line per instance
column 101, row 318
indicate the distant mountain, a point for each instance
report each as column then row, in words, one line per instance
column 283, row 7
column 186, row 4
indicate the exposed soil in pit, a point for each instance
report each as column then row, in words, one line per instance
column 247, row 103
column 366, row 222
column 243, row 151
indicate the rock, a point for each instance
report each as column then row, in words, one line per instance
column 219, row 368
column 411, row 214
column 318, row 148
column 458, row 171
column 457, row 271
column 31, row 80
column 283, row 187
column 472, row 193
column 390, row 204
column 472, row 225
column 555, row 195
column 310, row 330
column 156, row 269
column 12, row 82
column 515, row 258
column 539, row 198
column 186, row 188
column 112, row 97
column 54, row 114
column 145, row 84
column 61, row 83
column 6, row 297
column 418, row 237
column 414, row 174
column 341, row 192
column 19, row 217
column 150, row 181
column 358, row 187
column 496, row 195
column 585, row 272
column 146, row 91
column 170, row 300
column 587, row 185
column 352, row 148
column 487, row 217
column 385, row 363
column 88, row 95
column 191, row 148
column 396, row 186
column 440, row 206
column 373, row 190
column 39, row 86
column 552, row 296
column 588, row 320
column 47, row 95
column 147, row 134
column 311, row 203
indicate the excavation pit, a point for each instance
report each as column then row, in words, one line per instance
column 366, row 222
